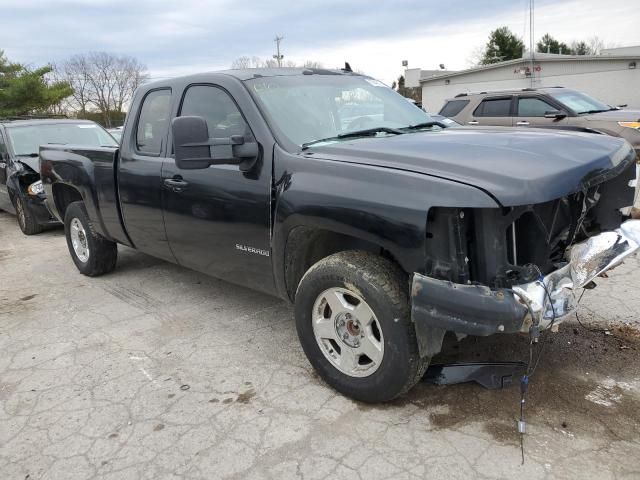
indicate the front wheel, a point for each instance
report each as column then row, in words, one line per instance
column 26, row 219
column 353, row 321
column 93, row 254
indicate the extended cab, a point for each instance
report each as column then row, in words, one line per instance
column 385, row 229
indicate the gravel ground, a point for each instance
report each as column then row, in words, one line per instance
column 157, row 372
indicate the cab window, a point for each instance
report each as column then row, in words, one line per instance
column 153, row 122
column 217, row 108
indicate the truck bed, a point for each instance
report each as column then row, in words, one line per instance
column 92, row 172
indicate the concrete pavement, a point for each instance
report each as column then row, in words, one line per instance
column 158, row 372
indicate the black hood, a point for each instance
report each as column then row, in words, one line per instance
column 515, row 166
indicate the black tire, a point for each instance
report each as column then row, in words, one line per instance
column 384, row 287
column 103, row 253
column 26, row 220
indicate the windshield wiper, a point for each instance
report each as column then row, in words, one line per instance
column 593, row 111
column 33, row 155
column 367, row 132
column 370, row 131
column 419, row 126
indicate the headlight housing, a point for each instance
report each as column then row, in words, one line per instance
column 35, row 188
column 635, row 125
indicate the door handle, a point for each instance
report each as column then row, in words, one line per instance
column 522, row 123
column 472, row 122
column 176, row 184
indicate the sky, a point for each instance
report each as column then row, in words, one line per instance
column 179, row 37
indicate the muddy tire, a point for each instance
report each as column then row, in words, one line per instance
column 93, row 254
column 353, row 321
column 26, row 220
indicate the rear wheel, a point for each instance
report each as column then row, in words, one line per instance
column 26, row 219
column 93, row 254
column 353, row 320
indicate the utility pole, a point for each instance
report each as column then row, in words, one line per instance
column 531, row 40
column 278, row 56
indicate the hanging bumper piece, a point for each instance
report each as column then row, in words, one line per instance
column 438, row 306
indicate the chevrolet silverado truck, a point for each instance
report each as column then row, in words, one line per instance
column 383, row 228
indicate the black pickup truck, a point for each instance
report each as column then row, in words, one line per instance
column 328, row 189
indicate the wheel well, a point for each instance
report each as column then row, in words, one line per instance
column 307, row 246
column 63, row 196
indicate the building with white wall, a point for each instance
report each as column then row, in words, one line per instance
column 613, row 77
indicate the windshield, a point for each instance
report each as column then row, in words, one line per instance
column 579, row 102
column 26, row 140
column 117, row 134
column 308, row 108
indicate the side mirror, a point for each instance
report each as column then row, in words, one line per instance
column 556, row 114
column 195, row 150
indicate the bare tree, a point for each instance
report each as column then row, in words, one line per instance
column 241, row 62
column 476, row 56
column 595, row 45
column 257, row 62
column 102, row 82
column 75, row 71
column 272, row 63
column 312, row 64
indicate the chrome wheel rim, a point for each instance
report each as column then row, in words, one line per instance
column 79, row 240
column 348, row 332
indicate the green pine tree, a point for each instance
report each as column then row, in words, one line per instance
column 548, row 44
column 503, row 45
column 24, row 91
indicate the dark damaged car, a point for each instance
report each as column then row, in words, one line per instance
column 21, row 191
column 330, row 190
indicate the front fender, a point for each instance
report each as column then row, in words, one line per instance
column 383, row 206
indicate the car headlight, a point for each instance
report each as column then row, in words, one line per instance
column 35, row 188
column 635, row 125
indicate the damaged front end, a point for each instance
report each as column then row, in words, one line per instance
column 506, row 270
column 24, row 181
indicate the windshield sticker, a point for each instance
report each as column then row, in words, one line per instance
column 374, row 82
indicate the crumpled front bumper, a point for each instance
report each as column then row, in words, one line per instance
column 587, row 260
column 438, row 306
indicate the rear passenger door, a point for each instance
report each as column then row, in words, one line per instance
column 493, row 111
column 140, row 173
column 530, row 111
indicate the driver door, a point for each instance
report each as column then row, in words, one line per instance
column 218, row 218
column 530, row 111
